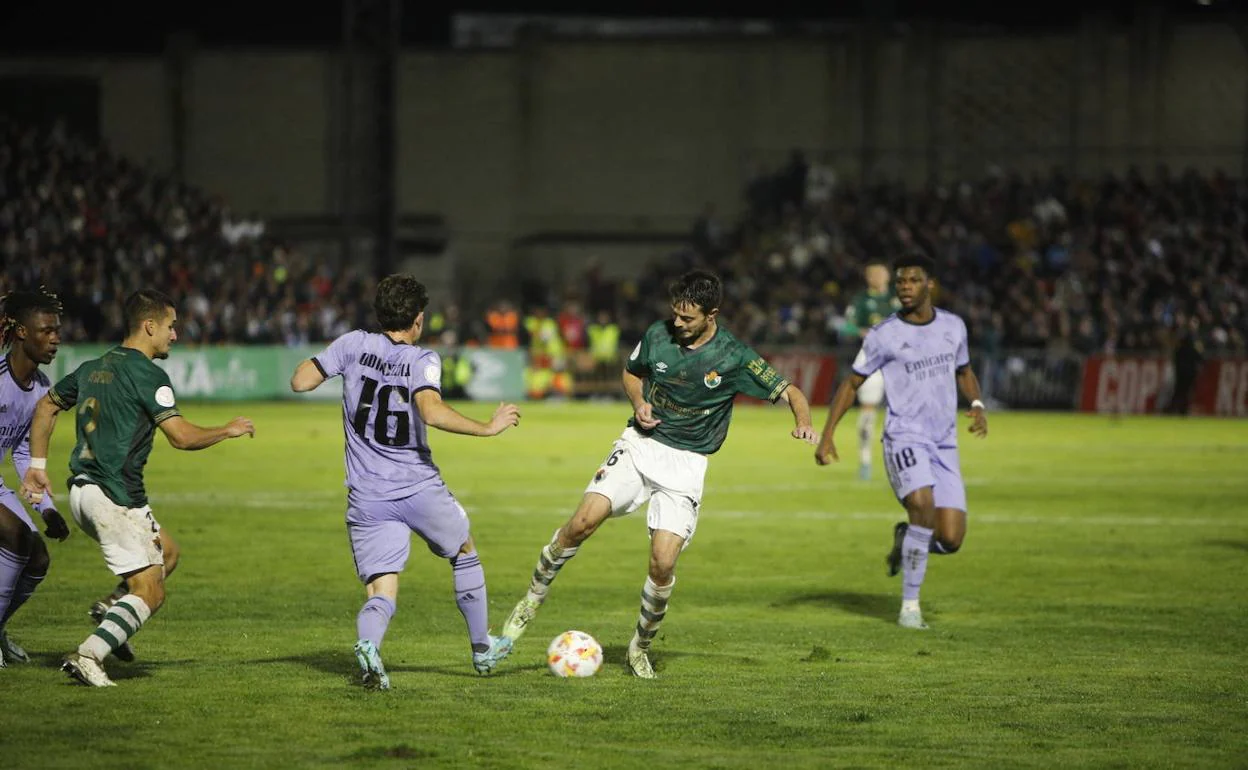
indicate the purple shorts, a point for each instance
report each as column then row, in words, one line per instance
column 381, row 531
column 913, row 464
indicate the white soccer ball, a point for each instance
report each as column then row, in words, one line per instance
column 574, row 653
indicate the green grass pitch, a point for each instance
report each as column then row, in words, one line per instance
column 1094, row 617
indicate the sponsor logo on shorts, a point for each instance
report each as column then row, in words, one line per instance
column 712, row 379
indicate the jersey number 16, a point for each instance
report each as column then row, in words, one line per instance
column 381, row 425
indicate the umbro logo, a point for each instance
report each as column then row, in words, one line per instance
column 660, row 367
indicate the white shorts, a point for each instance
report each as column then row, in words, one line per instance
column 641, row 470
column 8, row 498
column 129, row 537
column 871, row 393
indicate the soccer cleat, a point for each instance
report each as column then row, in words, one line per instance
column 639, row 662
column 912, row 619
column 11, row 651
column 86, row 670
column 97, row 612
column 894, row 556
column 519, row 619
column 864, row 472
column 373, row 673
column 484, row 662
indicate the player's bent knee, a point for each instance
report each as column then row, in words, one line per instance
column 39, row 560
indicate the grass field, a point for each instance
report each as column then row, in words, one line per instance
column 1092, row 618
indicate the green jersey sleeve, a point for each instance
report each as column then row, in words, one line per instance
column 156, row 395
column 757, row 378
column 65, row 393
column 638, row 362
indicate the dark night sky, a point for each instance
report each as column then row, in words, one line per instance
column 141, row 27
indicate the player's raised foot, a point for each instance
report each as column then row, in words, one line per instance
column 372, row 672
column 86, row 670
column 864, row 472
column 519, row 619
column 894, row 556
column 484, row 662
column 11, row 651
column 123, row 653
column 639, row 662
column 912, row 618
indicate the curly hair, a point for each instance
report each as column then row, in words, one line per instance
column 400, row 298
column 19, row 306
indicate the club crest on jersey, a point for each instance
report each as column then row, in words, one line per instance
column 712, row 379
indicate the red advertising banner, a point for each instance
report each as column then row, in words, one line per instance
column 814, row 373
column 1136, row 384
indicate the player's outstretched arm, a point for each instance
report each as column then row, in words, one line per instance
column 825, row 453
column 35, row 483
column 307, row 376
column 800, row 407
column 436, row 413
column 968, row 383
column 184, row 434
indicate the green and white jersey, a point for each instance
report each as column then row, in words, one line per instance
column 121, row 397
column 869, row 309
column 692, row 391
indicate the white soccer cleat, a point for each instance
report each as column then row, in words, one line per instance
column 520, row 617
column 912, row 619
column 639, row 662
column 11, row 651
column 86, row 670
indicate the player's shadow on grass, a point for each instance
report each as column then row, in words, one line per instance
column 1238, row 545
column 342, row 663
column 882, row 606
column 116, row 670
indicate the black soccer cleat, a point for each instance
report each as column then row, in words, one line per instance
column 894, row 556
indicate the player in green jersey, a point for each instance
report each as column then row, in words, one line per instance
column 866, row 310
column 122, row 397
column 681, row 379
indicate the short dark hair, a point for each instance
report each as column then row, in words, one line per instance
column 145, row 305
column 921, row 261
column 19, row 306
column 700, row 287
column 873, row 261
column 400, row 298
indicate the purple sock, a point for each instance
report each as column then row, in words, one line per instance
column 11, row 566
column 26, row 585
column 470, row 596
column 373, row 619
column 914, row 560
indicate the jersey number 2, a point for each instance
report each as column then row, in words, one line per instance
column 381, row 432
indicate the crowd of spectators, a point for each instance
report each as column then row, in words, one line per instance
column 1115, row 264
column 92, row 226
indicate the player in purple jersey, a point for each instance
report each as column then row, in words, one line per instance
column 31, row 333
column 391, row 395
column 922, row 352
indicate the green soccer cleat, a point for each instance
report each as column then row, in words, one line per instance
column 372, row 672
column 912, row 619
column 639, row 662
column 519, row 619
column 97, row 612
column 484, row 662
column 11, row 651
column 894, row 556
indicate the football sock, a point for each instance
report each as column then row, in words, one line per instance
column 122, row 621
column 373, row 619
column 653, row 608
column 552, row 559
column 11, row 566
column 26, row 585
column 914, row 560
column 866, row 426
column 471, row 599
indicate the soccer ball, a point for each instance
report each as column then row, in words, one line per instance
column 574, row 653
